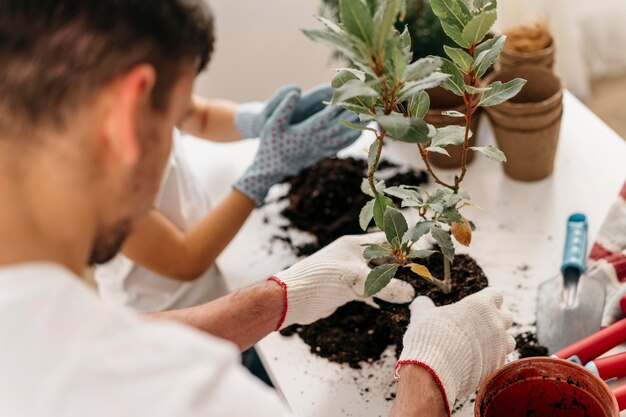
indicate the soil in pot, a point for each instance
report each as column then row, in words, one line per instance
column 326, row 199
column 359, row 333
column 528, row 45
column 528, row 346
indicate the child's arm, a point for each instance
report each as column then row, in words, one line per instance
column 212, row 119
column 157, row 244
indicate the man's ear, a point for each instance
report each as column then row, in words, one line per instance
column 127, row 98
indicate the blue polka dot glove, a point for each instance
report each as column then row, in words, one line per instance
column 299, row 132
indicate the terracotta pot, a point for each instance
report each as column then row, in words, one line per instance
column 511, row 59
column 543, row 91
column 544, row 387
column 442, row 100
column 530, row 153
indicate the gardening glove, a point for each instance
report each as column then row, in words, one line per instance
column 318, row 285
column 607, row 260
column 299, row 133
column 251, row 118
column 459, row 344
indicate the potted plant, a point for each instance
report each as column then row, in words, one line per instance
column 384, row 85
column 427, row 38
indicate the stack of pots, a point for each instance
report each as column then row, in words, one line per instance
column 444, row 100
column 544, row 57
column 527, row 127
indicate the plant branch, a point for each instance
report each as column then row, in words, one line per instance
column 380, row 137
column 429, row 168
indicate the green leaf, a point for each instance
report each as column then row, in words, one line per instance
column 486, row 54
column 346, row 74
column 404, row 193
column 416, row 232
column 455, row 10
column 412, row 88
column 378, row 278
column 438, row 149
column 355, row 126
column 399, row 62
column 452, row 215
column 491, row 152
column 437, row 201
column 449, row 135
column 462, row 59
column 351, row 89
column 479, row 26
column 419, row 104
column 357, row 19
column 375, row 251
column 405, row 41
column 454, row 32
column 452, row 113
column 421, row 68
column 476, row 90
column 444, row 241
column 484, row 4
column 405, row 129
column 332, row 26
column 334, row 40
column 384, row 21
column 366, row 188
column 395, row 225
column 366, row 215
column 380, row 206
column 420, row 254
column 456, row 82
column 372, row 156
column 499, row 93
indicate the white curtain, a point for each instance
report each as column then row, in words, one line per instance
column 590, row 35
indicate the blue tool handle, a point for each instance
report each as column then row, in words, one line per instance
column 575, row 250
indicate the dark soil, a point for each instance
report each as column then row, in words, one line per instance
column 326, row 199
column 358, row 332
column 528, row 346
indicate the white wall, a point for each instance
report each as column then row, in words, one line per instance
column 260, row 47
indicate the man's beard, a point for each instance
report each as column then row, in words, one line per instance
column 108, row 244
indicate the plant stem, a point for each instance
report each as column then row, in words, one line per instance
column 380, row 137
column 447, row 276
column 429, row 168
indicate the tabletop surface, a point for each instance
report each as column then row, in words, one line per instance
column 518, row 243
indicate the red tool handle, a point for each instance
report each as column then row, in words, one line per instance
column 610, row 367
column 622, row 303
column 620, row 396
column 595, row 345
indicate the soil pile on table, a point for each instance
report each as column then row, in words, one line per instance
column 358, row 332
column 528, row 346
column 326, row 199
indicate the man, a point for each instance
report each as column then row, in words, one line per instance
column 89, row 94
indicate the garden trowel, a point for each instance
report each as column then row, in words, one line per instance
column 569, row 306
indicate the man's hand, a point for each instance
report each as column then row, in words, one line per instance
column 459, row 344
column 299, row 131
column 334, row 276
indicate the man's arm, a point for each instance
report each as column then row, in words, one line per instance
column 213, row 120
column 244, row 317
column 418, row 395
column 157, row 244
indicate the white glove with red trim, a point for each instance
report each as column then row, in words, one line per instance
column 459, row 344
column 332, row 277
column 607, row 260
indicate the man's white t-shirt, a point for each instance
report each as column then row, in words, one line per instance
column 65, row 353
column 181, row 199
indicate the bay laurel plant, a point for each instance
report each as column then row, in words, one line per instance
column 385, row 85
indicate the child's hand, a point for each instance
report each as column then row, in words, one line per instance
column 300, row 132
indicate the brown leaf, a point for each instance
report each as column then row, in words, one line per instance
column 420, row 270
column 462, row 232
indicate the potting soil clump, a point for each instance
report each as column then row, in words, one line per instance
column 359, row 333
column 326, row 199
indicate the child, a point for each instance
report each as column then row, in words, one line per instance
column 168, row 261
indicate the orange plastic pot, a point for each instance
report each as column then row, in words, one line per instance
column 547, row 387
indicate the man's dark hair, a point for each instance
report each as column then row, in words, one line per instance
column 55, row 54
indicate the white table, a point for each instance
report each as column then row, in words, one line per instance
column 518, row 243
